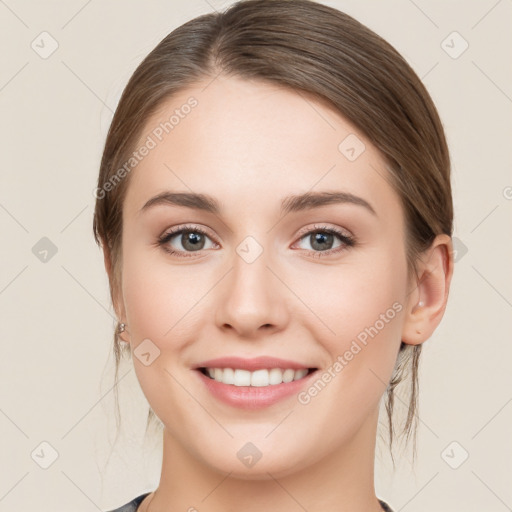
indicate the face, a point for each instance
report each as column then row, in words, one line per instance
column 317, row 287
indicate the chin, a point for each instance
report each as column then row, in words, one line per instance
column 270, row 464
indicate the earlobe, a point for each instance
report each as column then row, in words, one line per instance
column 428, row 300
column 121, row 332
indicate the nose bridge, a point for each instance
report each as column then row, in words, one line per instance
column 252, row 296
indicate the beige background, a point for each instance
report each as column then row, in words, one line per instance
column 56, row 319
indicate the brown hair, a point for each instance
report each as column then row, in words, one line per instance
column 314, row 49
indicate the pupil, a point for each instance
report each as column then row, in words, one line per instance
column 193, row 241
column 320, row 240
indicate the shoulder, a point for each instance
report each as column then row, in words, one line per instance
column 132, row 506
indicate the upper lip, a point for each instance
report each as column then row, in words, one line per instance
column 256, row 363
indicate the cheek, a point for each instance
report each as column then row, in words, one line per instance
column 366, row 314
column 363, row 307
column 159, row 303
column 159, row 299
column 363, row 291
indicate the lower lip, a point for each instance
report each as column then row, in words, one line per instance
column 253, row 397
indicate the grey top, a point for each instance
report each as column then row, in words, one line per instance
column 134, row 504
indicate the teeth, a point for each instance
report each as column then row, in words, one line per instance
column 227, row 375
column 242, row 378
column 258, row 378
column 275, row 376
column 288, row 375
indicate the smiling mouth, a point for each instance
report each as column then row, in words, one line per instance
column 257, row 378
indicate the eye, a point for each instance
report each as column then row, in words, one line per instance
column 322, row 240
column 190, row 238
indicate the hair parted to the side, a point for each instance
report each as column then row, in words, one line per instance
column 310, row 48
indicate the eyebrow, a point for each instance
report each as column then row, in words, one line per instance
column 293, row 203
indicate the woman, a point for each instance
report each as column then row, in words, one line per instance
column 274, row 207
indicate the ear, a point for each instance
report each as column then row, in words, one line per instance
column 117, row 296
column 428, row 298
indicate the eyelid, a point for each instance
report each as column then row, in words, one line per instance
column 187, row 227
column 324, row 227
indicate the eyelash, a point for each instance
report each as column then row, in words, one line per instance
column 347, row 241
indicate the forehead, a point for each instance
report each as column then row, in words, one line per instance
column 250, row 143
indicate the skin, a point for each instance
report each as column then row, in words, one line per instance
column 250, row 144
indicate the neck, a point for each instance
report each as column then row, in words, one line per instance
column 341, row 482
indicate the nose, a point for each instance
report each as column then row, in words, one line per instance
column 252, row 301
